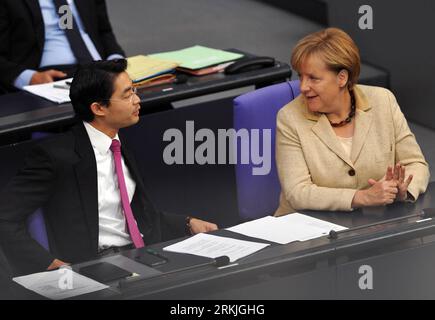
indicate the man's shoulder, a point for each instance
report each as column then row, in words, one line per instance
column 57, row 141
column 62, row 144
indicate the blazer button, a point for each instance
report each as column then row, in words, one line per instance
column 351, row 172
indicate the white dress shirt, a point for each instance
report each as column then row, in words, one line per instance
column 112, row 224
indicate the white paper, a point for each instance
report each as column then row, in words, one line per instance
column 48, row 91
column 59, row 284
column 286, row 229
column 207, row 245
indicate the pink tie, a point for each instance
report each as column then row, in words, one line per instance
column 131, row 222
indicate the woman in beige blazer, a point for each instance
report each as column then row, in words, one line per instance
column 340, row 145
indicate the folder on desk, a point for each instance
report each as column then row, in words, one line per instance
column 195, row 58
column 157, row 80
column 142, row 68
column 208, row 70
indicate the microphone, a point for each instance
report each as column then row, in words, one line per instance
column 427, row 213
column 221, row 261
column 217, row 262
column 152, row 258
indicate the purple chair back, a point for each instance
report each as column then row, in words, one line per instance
column 37, row 229
column 12, row 159
column 258, row 195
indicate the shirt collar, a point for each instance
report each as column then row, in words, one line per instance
column 99, row 140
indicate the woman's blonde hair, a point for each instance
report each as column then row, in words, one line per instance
column 335, row 47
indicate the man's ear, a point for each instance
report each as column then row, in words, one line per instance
column 98, row 109
column 343, row 78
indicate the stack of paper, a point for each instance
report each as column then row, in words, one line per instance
column 286, row 229
column 57, row 91
column 207, row 245
column 200, row 60
column 141, row 68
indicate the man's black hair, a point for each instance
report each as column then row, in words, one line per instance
column 94, row 82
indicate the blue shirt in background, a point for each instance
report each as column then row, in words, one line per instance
column 57, row 50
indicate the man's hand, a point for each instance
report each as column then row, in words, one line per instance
column 198, row 226
column 397, row 174
column 46, row 76
column 56, row 264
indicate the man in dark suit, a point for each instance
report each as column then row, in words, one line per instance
column 75, row 178
column 34, row 47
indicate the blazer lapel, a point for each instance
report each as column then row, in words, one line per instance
column 38, row 22
column 86, row 176
column 363, row 121
column 324, row 132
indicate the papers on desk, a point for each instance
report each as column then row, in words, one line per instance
column 207, row 245
column 59, row 284
column 286, row 229
column 57, row 91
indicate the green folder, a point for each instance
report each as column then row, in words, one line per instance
column 198, row 57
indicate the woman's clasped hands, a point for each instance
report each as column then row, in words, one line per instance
column 392, row 187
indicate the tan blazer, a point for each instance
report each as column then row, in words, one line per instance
column 315, row 171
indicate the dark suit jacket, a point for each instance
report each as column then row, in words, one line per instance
column 22, row 34
column 5, row 278
column 60, row 175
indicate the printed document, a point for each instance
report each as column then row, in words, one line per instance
column 286, row 229
column 207, row 245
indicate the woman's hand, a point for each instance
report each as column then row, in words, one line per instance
column 398, row 174
column 380, row 193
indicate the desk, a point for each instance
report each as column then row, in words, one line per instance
column 23, row 112
column 400, row 252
